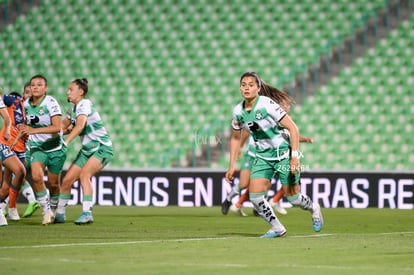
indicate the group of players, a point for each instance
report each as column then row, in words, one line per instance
column 262, row 117
column 34, row 138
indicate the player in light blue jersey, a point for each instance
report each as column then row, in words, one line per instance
column 261, row 116
column 96, row 152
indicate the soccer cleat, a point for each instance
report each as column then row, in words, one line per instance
column 85, row 218
column 238, row 211
column 13, row 214
column 225, row 206
column 48, row 218
column 317, row 218
column 3, row 220
column 31, row 208
column 273, row 234
column 59, row 218
column 278, row 208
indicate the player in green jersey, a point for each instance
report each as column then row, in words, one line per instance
column 284, row 100
column 45, row 144
column 96, row 152
column 261, row 116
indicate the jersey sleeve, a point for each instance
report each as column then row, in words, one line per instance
column 83, row 108
column 275, row 110
column 54, row 108
column 235, row 121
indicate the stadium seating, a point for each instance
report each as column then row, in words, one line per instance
column 363, row 118
column 160, row 71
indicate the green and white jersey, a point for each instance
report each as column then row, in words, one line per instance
column 41, row 116
column 251, row 147
column 94, row 132
column 262, row 121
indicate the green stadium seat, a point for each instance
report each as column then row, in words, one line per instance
column 176, row 54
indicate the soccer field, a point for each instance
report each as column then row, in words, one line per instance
column 172, row 240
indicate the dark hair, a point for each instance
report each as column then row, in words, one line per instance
column 26, row 85
column 252, row 74
column 38, row 76
column 281, row 97
column 82, row 84
column 15, row 94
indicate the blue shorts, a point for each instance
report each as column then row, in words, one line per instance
column 21, row 156
column 5, row 152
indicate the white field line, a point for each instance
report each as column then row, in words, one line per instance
column 112, row 243
column 186, row 240
column 298, row 266
column 348, row 234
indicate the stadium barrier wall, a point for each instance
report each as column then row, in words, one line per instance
column 196, row 188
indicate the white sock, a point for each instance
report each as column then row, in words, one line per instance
column 28, row 193
column 62, row 203
column 235, row 190
column 87, row 206
column 3, row 205
column 265, row 211
column 44, row 201
column 54, row 202
column 303, row 201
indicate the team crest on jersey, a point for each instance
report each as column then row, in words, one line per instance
column 41, row 111
column 259, row 114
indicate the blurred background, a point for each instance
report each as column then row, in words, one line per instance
column 164, row 75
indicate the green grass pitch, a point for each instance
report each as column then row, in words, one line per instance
column 172, row 240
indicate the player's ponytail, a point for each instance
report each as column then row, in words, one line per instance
column 280, row 97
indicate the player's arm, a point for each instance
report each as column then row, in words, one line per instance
column 55, row 127
column 280, row 115
column 66, row 126
column 20, row 134
column 7, row 123
column 290, row 125
column 234, row 152
column 77, row 129
column 244, row 136
column 305, row 139
column 16, row 140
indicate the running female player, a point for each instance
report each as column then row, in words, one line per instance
column 261, row 116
